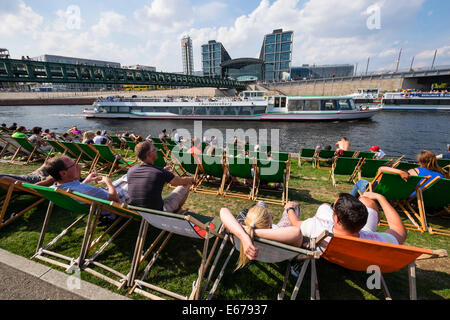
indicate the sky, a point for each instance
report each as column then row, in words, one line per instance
column 149, row 32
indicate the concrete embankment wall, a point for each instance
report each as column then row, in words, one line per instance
column 87, row 98
column 339, row 87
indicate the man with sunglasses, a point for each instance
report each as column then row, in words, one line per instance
column 67, row 175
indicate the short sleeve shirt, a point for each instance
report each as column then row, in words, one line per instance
column 145, row 185
column 87, row 189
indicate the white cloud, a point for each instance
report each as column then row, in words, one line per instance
column 17, row 18
column 109, row 22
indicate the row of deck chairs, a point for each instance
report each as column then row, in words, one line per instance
column 351, row 253
column 225, row 169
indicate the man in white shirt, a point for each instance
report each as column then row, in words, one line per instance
column 379, row 154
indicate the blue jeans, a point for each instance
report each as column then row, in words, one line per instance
column 361, row 186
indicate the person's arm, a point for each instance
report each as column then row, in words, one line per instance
column 287, row 235
column 403, row 174
column 230, row 222
column 113, row 196
column 48, row 182
column 182, row 181
column 293, row 219
column 440, row 156
column 396, row 227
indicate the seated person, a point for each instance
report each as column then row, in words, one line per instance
column 428, row 166
column 379, row 154
column 445, row 155
column 257, row 219
column 38, row 177
column 20, row 133
column 100, row 138
column 67, row 174
column 37, row 140
column 343, row 145
column 88, row 137
column 146, row 182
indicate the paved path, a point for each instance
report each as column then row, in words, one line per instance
column 23, row 279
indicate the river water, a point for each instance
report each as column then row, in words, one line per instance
column 396, row 132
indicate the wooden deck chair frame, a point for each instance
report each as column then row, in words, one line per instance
column 356, row 168
column 114, row 160
column 58, row 147
column 357, row 174
column 187, row 225
column 300, row 157
column 92, row 153
column 8, row 147
column 204, row 173
column 77, row 154
column 284, row 183
column 359, row 254
column 33, row 149
column 418, row 220
column 11, row 194
column 230, row 181
column 429, row 185
column 269, row 252
column 323, row 155
column 92, row 208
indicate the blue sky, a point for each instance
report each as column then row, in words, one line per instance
column 149, row 32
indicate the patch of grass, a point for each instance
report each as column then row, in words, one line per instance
column 176, row 268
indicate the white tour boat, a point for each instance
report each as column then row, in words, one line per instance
column 418, row 101
column 250, row 105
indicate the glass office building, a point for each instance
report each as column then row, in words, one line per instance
column 243, row 69
column 187, row 55
column 276, row 52
column 307, row 72
column 213, row 55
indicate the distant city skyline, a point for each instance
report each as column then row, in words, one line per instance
column 149, row 32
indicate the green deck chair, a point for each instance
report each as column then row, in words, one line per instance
column 98, row 163
column 9, row 146
column 399, row 192
column 58, row 147
column 323, row 155
column 369, row 168
column 345, row 166
column 115, row 161
column 213, row 167
column 305, row 154
column 188, row 225
column 244, row 168
column 13, row 192
column 443, row 163
column 366, row 155
column 92, row 208
column 350, row 154
column 116, row 141
column 77, row 154
column 436, row 195
column 34, row 150
column 406, row 166
column 272, row 171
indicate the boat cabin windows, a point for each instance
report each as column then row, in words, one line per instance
column 200, row 111
column 214, row 111
column 244, row 111
column 328, row 105
column 280, row 102
column 312, row 105
column 344, row 105
column 259, row 110
column 296, row 105
column 229, row 111
column 186, row 111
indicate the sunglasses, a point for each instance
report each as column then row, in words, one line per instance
column 73, row 165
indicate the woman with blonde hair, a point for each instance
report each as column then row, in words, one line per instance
column 88, row 137
column 258, row 223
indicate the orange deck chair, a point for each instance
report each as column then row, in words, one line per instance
column 359, row 254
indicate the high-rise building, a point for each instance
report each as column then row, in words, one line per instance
column 276, row 52
column 188, row 57
column 213, row 54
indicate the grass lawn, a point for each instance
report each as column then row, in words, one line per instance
column 176, row 267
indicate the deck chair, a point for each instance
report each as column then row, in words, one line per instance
column 345, row 166
column 365, row 155
column 76, row 154
column 13, row 192
column 399, row 193
column 435, row 195
column 272, row 171
column 115, row 161
column 9, row 146
column 34, row 150
column 305, row 154
column 243, row 168
column 405, row 166
column 212, row 167
column 58, row 147
column 369, row 168
column 323, row 155
column 189, row 225
column 117, row 142
column 92, row 208
column 269, row 252
column 131, row 146
column 359, row 254
column 443, row 162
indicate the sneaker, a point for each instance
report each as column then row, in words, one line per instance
column 242, row 215
column 262, row 204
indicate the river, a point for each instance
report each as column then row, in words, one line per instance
column 396, row 132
